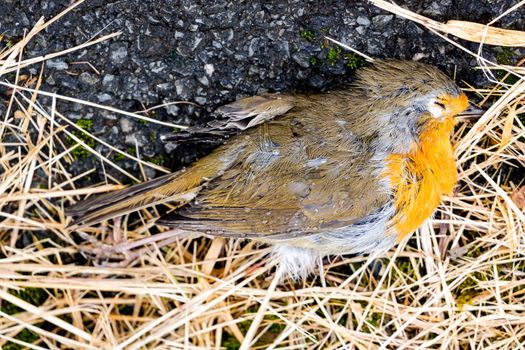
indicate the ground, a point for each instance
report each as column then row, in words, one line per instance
column 213, row 52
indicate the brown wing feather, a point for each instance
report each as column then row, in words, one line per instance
column 181, row 186
column 293, row 178
column 235, row 117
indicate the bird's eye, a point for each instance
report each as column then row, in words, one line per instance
column 440, row 104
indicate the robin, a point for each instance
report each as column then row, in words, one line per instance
column 350, row 171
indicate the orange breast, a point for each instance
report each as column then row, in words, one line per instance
column 421, row 177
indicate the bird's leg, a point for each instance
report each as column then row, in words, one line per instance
column 126, row 252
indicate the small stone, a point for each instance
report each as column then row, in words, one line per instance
column 104, row 98
column 109, row 83
column 203, row 80
column 57, row 64
column 382, row 20
column 317, row 81
column 24, row 20
column 364, row 21
column 50, row 80
column 201, row 100
column 134, row 139
column 88, row 79
column 181, row 86
column 164, row 86
column 302, row 58
column 172, row 110
column 140, row 140
column 157, row 67
column 118, row 53
column 209, row 69
column 126, row 125
column 254, row 44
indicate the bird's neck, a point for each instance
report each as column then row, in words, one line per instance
column 420, row 177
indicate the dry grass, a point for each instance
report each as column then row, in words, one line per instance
column 459, row 282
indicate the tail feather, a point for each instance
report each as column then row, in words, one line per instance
column 101, row 201
column 180, row 187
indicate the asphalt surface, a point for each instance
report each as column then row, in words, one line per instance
column 213, row 52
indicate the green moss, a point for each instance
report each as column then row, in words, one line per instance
column 80, row 151
column 276, row 327
column 84, row 123
column 353, row 61
column 24, row 335
column 313, row 60
column 333, row 55
column 34, row 296
column 506, row 57
column 469, row 288
column 152, row 137
column 406, row 267
column 229, row 342
column 374, row 321
column 474, row 253
column 159, row 160
column 119, row 156
column 307, row 35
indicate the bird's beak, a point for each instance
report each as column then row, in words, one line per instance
column 472, row 111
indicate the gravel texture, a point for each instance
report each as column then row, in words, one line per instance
column 213, row 52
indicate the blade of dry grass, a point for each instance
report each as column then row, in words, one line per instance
column 471, row 31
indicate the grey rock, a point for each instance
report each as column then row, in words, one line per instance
column 201, row 100
column 254, row 44
column 181, row 87
column 118, row 53
column 88, row 79
column 57, row 64
column 302, row 58
column 126, row 125
column 209, row 69
column 203, row 80
column 104, row 98
column 361, row 30
column 109, row 83
column 157, row 67
column 382, row 20
column 136, row 138
column 164, row 87
column 50, row 80
column 364, row 21
column 172, row 110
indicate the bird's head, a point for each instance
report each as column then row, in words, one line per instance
column 412, row 97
